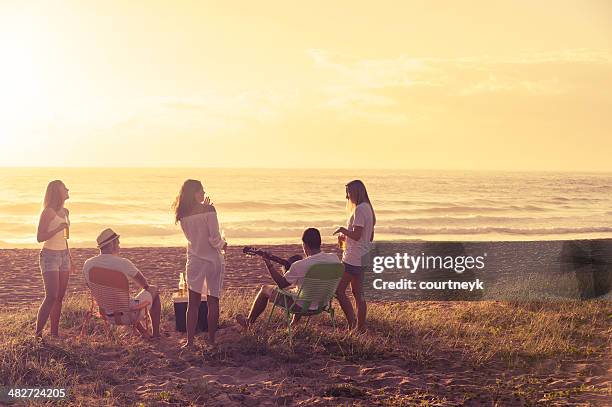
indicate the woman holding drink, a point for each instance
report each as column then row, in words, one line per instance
column 355, row 242
column 205, row 263
column 55, row 261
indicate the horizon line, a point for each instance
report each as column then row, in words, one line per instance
column 565, row 171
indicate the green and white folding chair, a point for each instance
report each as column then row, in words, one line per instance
column 319, row 287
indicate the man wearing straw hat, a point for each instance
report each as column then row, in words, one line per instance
column 108, row 243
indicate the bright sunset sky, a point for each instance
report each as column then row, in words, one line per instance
column 511, row 85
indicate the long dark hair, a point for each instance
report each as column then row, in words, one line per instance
column 356, row 194
column 185, row 200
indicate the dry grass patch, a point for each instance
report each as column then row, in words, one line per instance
column 416, row 338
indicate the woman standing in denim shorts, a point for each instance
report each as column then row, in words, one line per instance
column 55, row 262
column 356, row 238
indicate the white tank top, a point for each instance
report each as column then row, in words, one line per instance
column 57, row 241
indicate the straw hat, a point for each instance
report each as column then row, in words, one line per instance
column 105, row 237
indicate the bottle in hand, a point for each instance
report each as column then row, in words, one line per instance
column 342, row 242
column 223, row 238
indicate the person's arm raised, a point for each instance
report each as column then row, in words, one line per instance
column 214, row 234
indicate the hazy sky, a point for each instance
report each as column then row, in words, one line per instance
column 515, row 84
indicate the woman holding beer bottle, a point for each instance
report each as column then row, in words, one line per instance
column 55, row 261
column 355, row 243
column 205, row 244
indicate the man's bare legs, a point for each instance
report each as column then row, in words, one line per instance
column 142, row 330
column 155, row 315
column 266, row 294
column 258, row 307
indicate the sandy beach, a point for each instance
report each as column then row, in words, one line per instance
column 508, row 266
column 440, row 353
column 21, row 281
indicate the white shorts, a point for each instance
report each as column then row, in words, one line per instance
column 134, row 315
column 204, row 277
column 143, row 296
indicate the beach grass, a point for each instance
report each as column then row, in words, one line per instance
column 507, row 351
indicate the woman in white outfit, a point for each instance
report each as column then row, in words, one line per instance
column 198, row 220
column 55, row 262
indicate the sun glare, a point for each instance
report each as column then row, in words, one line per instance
column 90, row 75
column 25, row 104
column 24, row 94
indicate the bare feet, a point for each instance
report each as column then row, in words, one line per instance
column 243, row 322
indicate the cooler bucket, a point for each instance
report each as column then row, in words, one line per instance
column 180, row 315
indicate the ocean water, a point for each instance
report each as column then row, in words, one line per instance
column 268, row 206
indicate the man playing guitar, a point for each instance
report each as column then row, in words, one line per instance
column 296, row 269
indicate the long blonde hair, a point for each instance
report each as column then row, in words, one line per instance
column 356, row 194
column 53, row 196
column 185, row 201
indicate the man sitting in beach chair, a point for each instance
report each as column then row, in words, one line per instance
column 294, row 277
column 107, row 275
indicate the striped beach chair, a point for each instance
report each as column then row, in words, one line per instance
column 319, row 287
column 110, row 290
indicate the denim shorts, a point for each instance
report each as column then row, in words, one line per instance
column 353, row 270
column 54, row 260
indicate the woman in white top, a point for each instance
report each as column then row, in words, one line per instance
column 205, row 264
column 55, row 262
column 357, row 238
